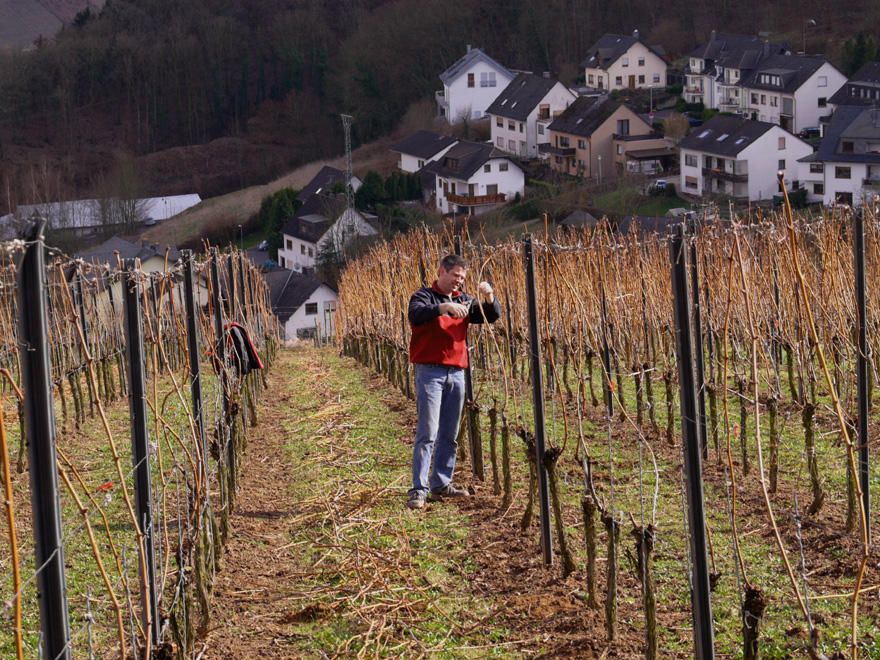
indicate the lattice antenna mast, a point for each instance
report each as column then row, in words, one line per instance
column 349, row 191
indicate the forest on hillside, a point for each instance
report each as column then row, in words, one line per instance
column 138, row 77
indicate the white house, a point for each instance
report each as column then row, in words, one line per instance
column 620, row 62
column 303, row 304
column 470, row 85
column 715, row 68
column 473, row 178
column 420, row 148
column 846, row 168
column 739, row 158
column 522, row 111
column 349, row 227
column 790, row 90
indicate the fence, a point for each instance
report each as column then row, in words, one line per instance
column 748, row 338
column 116, row 556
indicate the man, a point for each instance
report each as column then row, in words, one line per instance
column 439, row 316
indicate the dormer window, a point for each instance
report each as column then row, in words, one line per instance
column 452, row 163
column 846, row 147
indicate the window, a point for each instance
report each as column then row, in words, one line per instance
column 564, row 142
column 782, row 143
column 823, row 101
column 540, row 129
column 582, row 164
column 822, row 81
column 500, row 142
column 502, row 167
column 511, row 125
column 520, row 127
column 559, row 160
column 781, row 164
column 491, row 79
column 641, row 80
column 487, row 167
column 818, row 188
column 329, row 305
column 311, row 309
column 844, row 198
column 470, row 80
column 619, row 149
column 657, row 78
column 774, row 101
column 624, row 61
column 492, row 189
column 421, row 164
column 641, row 61
column 817, row 168
column 623, row 126
column 511, row 145
column 846, row 147
column 690, row 160
column 302, row 248
column 311, row 252
column 690, row 182
column 499, row 122
column 763, row 99
column 289, row 244
column 582, row 144
column 590, row 79
column 544, row 111
column 618, row 80
column 842, row 173
column 754, row 98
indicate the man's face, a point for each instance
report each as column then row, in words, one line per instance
column 452, row 279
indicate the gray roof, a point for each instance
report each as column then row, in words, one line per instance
column 793, row 71
column 864, row 81
column 585, row 115
column 579, row 218
column 107, row 251
column 323, row 181
column 521, row 96
column 423, row 144
column 851, row 124
column 611, row 47
column 471, row 156
column 288, row 291
column 738, row 135
column 473, row 55
column 646, row 224
column 739, row 51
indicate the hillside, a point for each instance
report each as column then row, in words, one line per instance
column 23, row 21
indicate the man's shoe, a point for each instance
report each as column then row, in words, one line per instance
column 416, row 501
column 448, row 491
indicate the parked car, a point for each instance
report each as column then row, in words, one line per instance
column 694, row 120
column 262, row 247
column 810, row 133
column 660, row 184
column 149, row 222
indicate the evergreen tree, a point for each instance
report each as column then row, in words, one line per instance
column 371, row 192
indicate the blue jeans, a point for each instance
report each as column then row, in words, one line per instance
column 439, row 402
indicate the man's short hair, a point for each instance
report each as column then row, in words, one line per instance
column 450, row 261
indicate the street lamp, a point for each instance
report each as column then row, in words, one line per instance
column 651, row 106
column 600, row 168
column 241, row 237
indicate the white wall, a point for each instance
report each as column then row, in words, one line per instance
column 300, row 320
column 833, row 186
column 509, row 183
column 525, row 133
column 807, row 110
column 473, row 100
column 653, row 66
column 411, row 164
column 292, row 253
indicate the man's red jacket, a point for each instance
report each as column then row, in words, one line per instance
column 440, row 339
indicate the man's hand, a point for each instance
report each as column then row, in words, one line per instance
column 457, row 310
column 485, row 290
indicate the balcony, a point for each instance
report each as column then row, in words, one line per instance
column 871, row 183
column 440, row 97
column 556, row 151
column 729, row 102
column 479, row 200
column 653, row 135
column 724, row 175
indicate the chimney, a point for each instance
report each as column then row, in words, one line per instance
column 636, row 34
column 713, row 35
column 766, row 48
column 469, row 48
column 546, row 74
